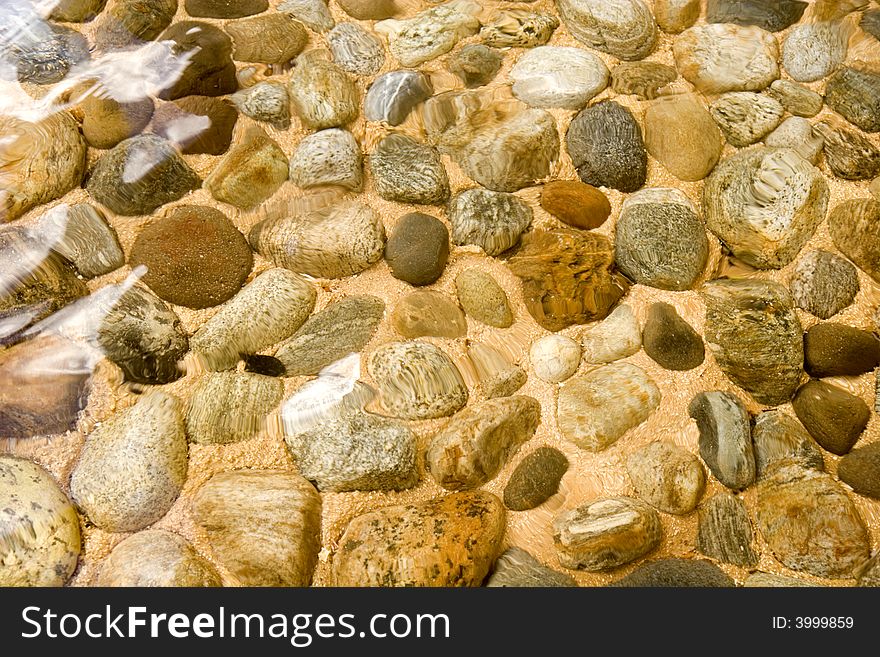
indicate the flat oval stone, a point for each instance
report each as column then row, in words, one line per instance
column 264, row 526
column 855, row 94
column 322, row 94
column 448, row 541
column 670, row 341
column 197, row 124
column 777, row 437
column 252, row 171
column 355, row 49
column 270, row 39
column 575, row 203
column 479, row 441
column 765, row 204
column 555, row 358
column 475, row 64
column 675, row 573
column 228, row 407
column 430, row 33
column 860, row 469
column 796, row 98
column 328, row 157
column 746, row 117
column 810, row 524
column 558, row 77
column 681, row 134
column 517, row 568
column 725, row 437
column 675, row 16
column 615, row 337
column 755, row 336
column 833, row 416
column 623, row 28
column 568, row 277
column 518, row 28
column 852, row 226
column 418, row 381
column 156, row 557
column 813, row 50
column 395, row 94
column 772, row 16
column 418, row 249
column 195, row 257
column 823, row 283
column 606, row 146
column 597, row 408
column 209, row 68
column 368, row 10
column 341, row 328
column 535, row 480
column 641, row 79
column 839, row 350
column 132, row 466
column 725, row 533
column 848, row 153
column 428, row 313
column 606, row 533
column 491, row 220
column 265, row 101
column 225, row 8
column 660, row 240
column 41, row 543
column 667, row 477
column 408, row 172
column 483, row 298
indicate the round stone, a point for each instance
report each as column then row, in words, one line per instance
column 428, row 313
column 535, row 480
column 823, row 283
column 575, row 203
column 408, row 172
column 681, row 134
column 417, row 249
column 558, row 77
column 355, row 49
column 667, row 477
column 209, row 69
column 555, row 358
column 491, row 220
column 811, row 51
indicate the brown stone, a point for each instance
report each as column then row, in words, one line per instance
column 215, row 118
column 575, row 203
column 833, row 416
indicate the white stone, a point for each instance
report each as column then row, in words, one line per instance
column 555, row 358
column 558, row 77
column 615, row 337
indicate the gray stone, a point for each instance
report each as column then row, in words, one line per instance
column 855, row 94
column 677, row 573
column 777, row 436
column 725, row 438
column 558, row 77
column 408, row 172
column 823, row 283
column 395, row 94
column 622, row 28
column 491, row 220
column 355, row 49
column 670, row 341
column 535, row 480
column 328, row 157
column 517, row 568
column 667, row 477
column 265, row 101
column 813, row 50
column 418, row 249
column 725, row 531
column 746, row 117
column 46, row 53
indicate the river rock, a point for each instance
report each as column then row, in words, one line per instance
column 264, row 526
column 322, row 94
column 518, row 28
column 139, row 175
column 43, row 53
column 535, row 480
column 448, row 541
column 491, row 220
column 855, row 94
column 517, row 568
column 331, row 240
column 670, row 341
column 660, row 240
column 861, row 470
column 796, row 98
column 130, row 22
column 270, row 39
column 568, row 277
column 622, row 28
column 555, row 358
column 575, row 203
column 228, row 407
column 243, row 325
column 86, row 239
column 726, row 57
column 76, row 11
column 106, row 121
column 156, row 557
column 368, row 10
column 606, row 146
column 769, row 580
column 144, row 337
column 428, row 313
column 483, row 298
column 41, row 543
column 558, row 77
column 809, row 523
column 133, row 465
column 225, row 8
column 606, row 533
column 417, row 380
column 395, row 94
column 197, row 124
column 798, row 134
column 681, row 134
column 597, row 408
column 823, row 283
column 418, row 249
column 250, row 172
column 676, row 573
column 849, row 154
column 615, row 337
column 778, row 436
column 209, row 70
column 869, row 573
column 770, row 16
column 641, row 79
column 667, row 477
column 852, row 226
column 675, row 16
column 195, row 257
column 870, row 23
column 328, row 157
column 408, row 172
column 343, row 327
column 765, row 204
column 479, row 441
column 725, row 531
column 839, row 350
column 315, row 14
column 725, row 437
column 355, row 49
column 475, row 64
column 746, row 117
column 813, row 50
column 266, row 101
column 357, row 451
column 833, row 416
column 430, row 33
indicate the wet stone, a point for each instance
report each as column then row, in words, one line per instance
column 777, row 437
column 644, row 80
column 558, row 77
column 428, row 313
column 368, row 10
column 670, row 341
column 47, row 57
column 855, row 94
column 535, row 480
column 314, row 13
column 615, row 337
column 860, row 469
column 823, row 283
column 267, row 102
column 225, row 8
column 430, row 33
column 252, row 171
column 483, row 298
column 667, row 477
column 518, row 28
column 228, row 407
column 849, row 154
column 675, row 16
column 725, row 531
column 491, row 220
column 869, row 573
column 798, row 134
column 328, row 157
column 130, row 22
column 393, row 95
column 106, row 121
column 772, row 16
column 813, row 50
column 555, row 358
column 475, row 64
column 408, row 172
column 832, row 349
column 681, row 134
column 321, row 93
column 355, row 49
column 675, row 573
column 195, row 257
column 870, row 22
column 725, row 438
column 210, row 70
column 796, row 98
column 746, row 117
column 575, row 203
column 86, row 239
column 418, row 249
column 622, row 28
column 852, row 226
column 76, row 11
column 156, row 557
column 198, row 124
column 517, row 568
column 270, row 39
column 833, row 416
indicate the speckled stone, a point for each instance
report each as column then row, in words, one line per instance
column 670, row 341
column 852, row 226
column 725, row 533
column 615, row 337
column 264, row 526
column 85, row 238
column 321, row 93
column 575, row 203
column 417, row 380
column 848, row 153
column 209, row 70
column 269, row 39
column 156, row 557
column 195, row 257
column 448, row 541
column 725, row 437
column 395, row 94
column 252, row 171
column 676, row 573
column 681, row 134
column 518, row 28
column 225, row 8
column 516, row 568
column 834, row 417
column 555, row 358
column 798, row 134
column 43, row 53
column 772, row 16
column 535, row 480
column 428, row 313
column 429, row 33
column 475, row 64
column 491, row 220
column 746, row 117
column 480, row 440
column 228, row 407
column 132, row 466
column 833, row 349
column 265, row 101
column 341, row 328
column 407, row 171
column 796, row 98
column 667, row 477
column 558, row 77
column 355, row 49
column 778, row 436
column 645, row 80
column 597, row 408
column 855, row 95
column 483, row 298
column 418, row 249
column 328, row 157
column 40, row 527
column 860, row 469
column 823, row 283
column 606, row 533
column 813, row 50
column 622, row 28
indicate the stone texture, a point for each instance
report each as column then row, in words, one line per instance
column 518, row 28
column 667, row 477
column 615, row 337
column 76, row 11
column 475, row 64
column 575, row 203
column 269, row 39
column 252, row 171
column 681, row 134
column 132, row 466
column 675, row 16
column 823, row 283
column 197, row 124
column 225, row 8
column 848, row 153
column 313, row 13
column 772, row 16
column 769, row 580
column 558, row 77
column 834, row 417
column 43, row 53
column 493, row 221
column 129, row 22
column 395, row 94
column 645, row 80
column 368, row 10
column 106, row 121
column 430, row 33
column 85, row 238
column 813, row 50
column 746, row 117
column 448, row 541
column 479, row 441
column 597, row 408
column 518, row 569
column 228, row 407
column 264, row 526
column 328, row 157
column 855, row 95
column 622, row 28
column 355, row 49
column 809, row 523
column 322, row 95
column 797, row 99
column 798, row 134
column 209, row 70
column 555, row 358
column 41, row 538
column 670, row 341
column 606, row 533
column 535, row 480
column 568, row 277
column 483, row 298
column 860, row 469
column 852, row 226
column 869, row 574
column 265, row 101
column 418, row 249
column 725, row 531
column 778, row 436
column 428, row 313
column 725, row 437
column 156, row 558
column 408, row 172
column 832, row 349
column 677, row 573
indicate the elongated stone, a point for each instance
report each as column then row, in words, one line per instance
column 518, row 28
column 265, row 101
column 535, row 479
column 197, row 124
column 725, row 438
column 641, row 79
column 852, row 227
column 76, row 11
column 682, row 135
column 430, row 33
column 833, row 349
column 483, row 298
column 475, row 64
column 623, row 28
column 848, row 153
column 796, row 98
column 798, row 134
column 106, row 121
column 225, row 8
column 615, row 337
column 778, row 436
column 156, row 558
column 315, row 14
column 575, row 203
column 667, row 477
column 395, row 94
column 517, row 568
column 559, row 77
column 725, row 531
column 129, row 22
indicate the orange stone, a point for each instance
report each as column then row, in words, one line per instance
column 575, row 203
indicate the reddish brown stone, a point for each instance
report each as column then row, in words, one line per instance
column 575, row 203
